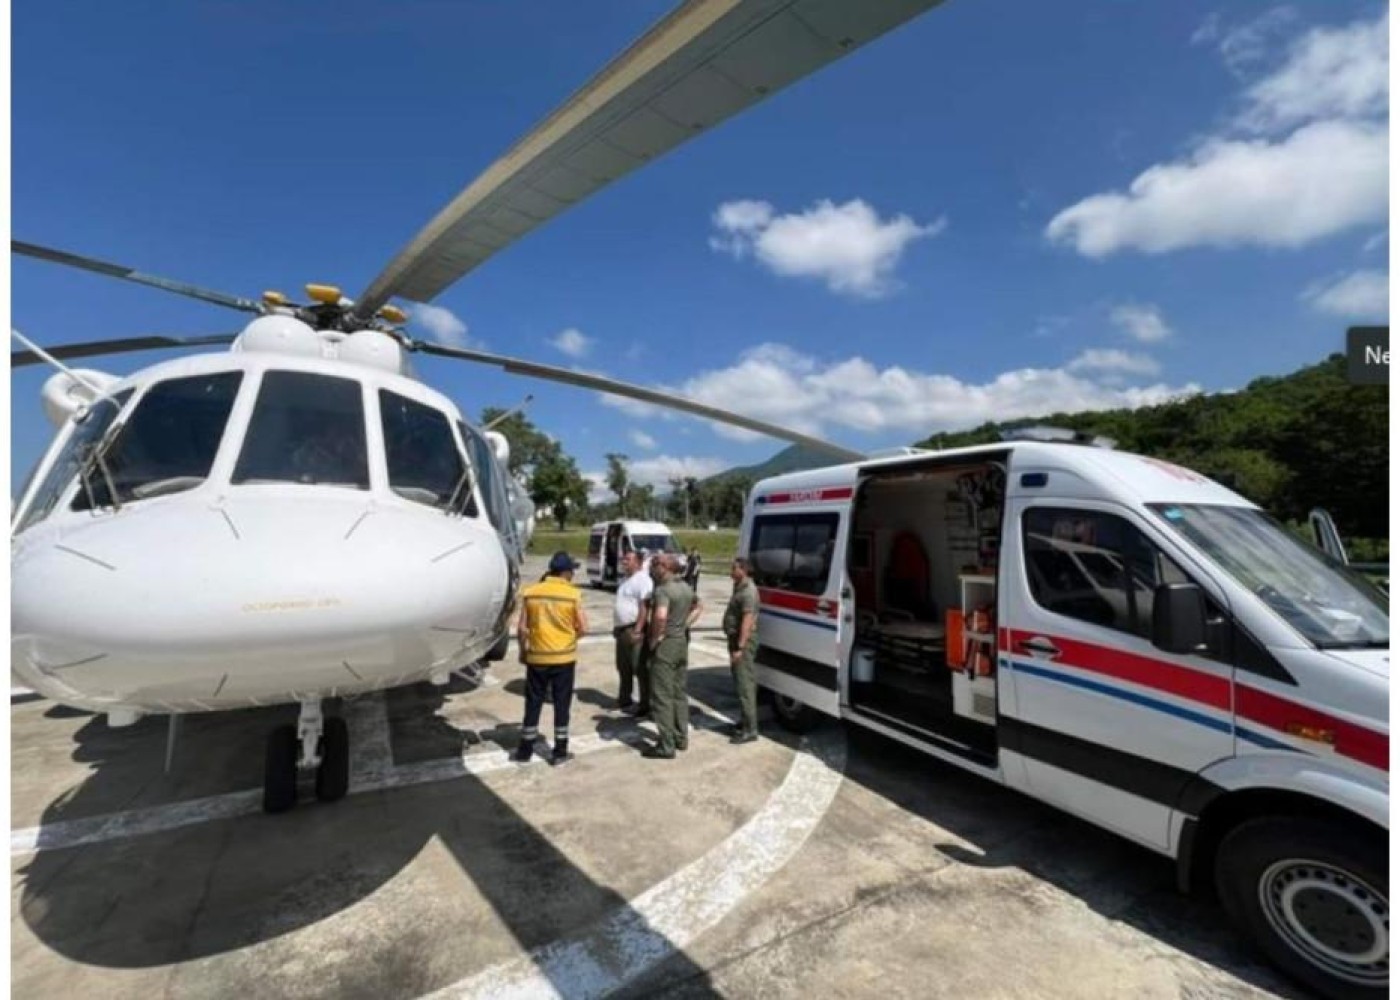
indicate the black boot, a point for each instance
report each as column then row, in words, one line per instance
column 525, row 751
column 561, row 753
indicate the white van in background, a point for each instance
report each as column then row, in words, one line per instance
column 608, row 540
column 1115, row 635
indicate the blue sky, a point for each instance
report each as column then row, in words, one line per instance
column 998, row 210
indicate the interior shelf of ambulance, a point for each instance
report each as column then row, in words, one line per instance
column 923, row 558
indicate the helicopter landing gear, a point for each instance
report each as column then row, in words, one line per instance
column 315, row 742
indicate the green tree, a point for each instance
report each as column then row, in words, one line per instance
column 558, row 486
column 618, row 480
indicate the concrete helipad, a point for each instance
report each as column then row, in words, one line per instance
column 838, row 866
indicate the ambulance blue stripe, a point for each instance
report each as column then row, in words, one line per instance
column 1210, row 722
column 800, row 621
column 1259, row 739
column 1220, row 725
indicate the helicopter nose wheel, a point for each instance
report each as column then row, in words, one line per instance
column 314, row 743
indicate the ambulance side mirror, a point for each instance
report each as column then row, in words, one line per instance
column 1179, row 618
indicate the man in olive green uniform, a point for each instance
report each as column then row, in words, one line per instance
column 674, row 609
column 741, row 633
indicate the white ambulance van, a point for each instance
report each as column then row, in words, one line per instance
column 1115, row 635
column 608, row 540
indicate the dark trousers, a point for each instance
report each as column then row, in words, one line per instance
column 645, row 685
column 555, row 684
column 628, row 658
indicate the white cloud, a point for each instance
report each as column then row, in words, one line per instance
column 1245, row 45
column 660, row 470
column 1114, row 361
column 598, row 491
column 776, row 383
column 642, row 439
column 846, row 246
column 1255, row 182
column 1144, row 323
column 572, row 342
column 1322, row 179
column 442, row 325
column 1359, row 295
column 1329, row 73
column 1376, row 241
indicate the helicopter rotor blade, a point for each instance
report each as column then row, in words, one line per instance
column 130, row 274
column 628, row 390
column 702, row 63
column 93, row 348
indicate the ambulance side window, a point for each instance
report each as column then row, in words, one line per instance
column 793, row 551
column 1095, row 567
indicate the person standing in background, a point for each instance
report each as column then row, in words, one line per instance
column 741, row 636
column 629, row 632
column 674, row 610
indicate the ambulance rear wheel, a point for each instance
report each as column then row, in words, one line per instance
column 1313, row 896
column 792, row 715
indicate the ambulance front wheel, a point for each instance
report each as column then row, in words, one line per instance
column 1313, row 896
column 792, row 715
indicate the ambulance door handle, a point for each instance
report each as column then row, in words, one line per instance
column 823, row 607
column 1040, row 645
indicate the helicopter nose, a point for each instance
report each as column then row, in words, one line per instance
column 186, row 605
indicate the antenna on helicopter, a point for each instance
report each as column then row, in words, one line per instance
column 509, row 413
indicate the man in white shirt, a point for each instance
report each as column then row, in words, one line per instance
column 629, row 624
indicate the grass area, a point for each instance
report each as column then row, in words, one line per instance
column 716, row 547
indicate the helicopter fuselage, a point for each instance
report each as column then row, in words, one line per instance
column 275, row 568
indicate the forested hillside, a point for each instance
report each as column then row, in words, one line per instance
column 1310, row 439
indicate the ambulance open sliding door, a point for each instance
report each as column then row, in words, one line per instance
column 1107, row 725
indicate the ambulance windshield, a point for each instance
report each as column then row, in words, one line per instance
column 1331, row 605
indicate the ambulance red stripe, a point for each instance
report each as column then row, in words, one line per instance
column 1351, row 740
column 789, row 601
column 1193, row 685
column 819, row 494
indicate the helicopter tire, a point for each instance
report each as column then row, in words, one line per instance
column 333, row 776
column 280, row 770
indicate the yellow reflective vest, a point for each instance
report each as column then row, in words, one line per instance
column 551, row 622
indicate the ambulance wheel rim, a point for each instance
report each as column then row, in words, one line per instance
column 786, row 706
column 1330, row 917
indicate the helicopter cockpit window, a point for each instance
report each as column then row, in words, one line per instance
column 166, row 445
column 307, row 429
column 73, row 456
column 422, row 456
column 490, row 475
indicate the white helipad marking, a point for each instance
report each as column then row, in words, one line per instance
column 156, row 819
column 672, row 913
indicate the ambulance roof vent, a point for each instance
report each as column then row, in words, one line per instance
column 1062, row 435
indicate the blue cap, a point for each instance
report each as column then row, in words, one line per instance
column 562, row 562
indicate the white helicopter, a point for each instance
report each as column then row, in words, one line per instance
column 299, row 517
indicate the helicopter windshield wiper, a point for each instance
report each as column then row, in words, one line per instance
column 463, row 480
column 96, row 458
